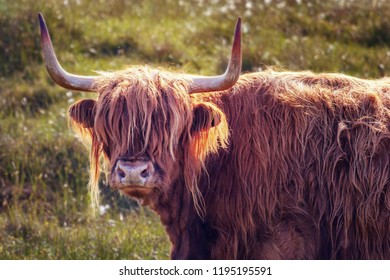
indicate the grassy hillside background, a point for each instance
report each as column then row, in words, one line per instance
column 44, row 211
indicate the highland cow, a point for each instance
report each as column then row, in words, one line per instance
column 267, row 165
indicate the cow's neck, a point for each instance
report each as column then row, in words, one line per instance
column 186, row 231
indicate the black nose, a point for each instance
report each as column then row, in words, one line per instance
column 133, row 172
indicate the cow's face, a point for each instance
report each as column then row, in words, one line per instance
column 146, row 127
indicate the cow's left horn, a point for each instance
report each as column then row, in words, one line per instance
column 59, row 75
column 231, row 75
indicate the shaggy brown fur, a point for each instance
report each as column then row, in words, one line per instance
column 281, row 166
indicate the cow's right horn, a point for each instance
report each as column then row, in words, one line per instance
column 57, row 73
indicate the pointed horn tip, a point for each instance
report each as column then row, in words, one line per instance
column 41, row 19
column 237, row 34
column 236, row 46
column 238, row 24
column 43, row 27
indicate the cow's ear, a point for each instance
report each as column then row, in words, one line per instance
column 83, row 112
column 206, row 116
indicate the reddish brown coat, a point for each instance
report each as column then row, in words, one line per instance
column 283, row 165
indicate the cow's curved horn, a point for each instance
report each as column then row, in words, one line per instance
column 231, row 75
column 59, row 75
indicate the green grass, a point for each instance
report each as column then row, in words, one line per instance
column 39, row 235
column 44, row 204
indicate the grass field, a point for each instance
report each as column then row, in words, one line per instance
column 44, row 204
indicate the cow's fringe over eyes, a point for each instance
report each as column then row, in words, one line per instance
column 141, row 111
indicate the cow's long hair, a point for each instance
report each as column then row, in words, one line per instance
column 144, row 111
column 307, row 172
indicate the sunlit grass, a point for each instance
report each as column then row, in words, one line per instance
column 35, row 234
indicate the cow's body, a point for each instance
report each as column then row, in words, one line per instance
column 276, row 165
column 305, row 175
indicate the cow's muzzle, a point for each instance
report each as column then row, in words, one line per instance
column 133, row 173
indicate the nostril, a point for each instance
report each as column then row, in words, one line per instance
column 145, row 174
column 121, row 173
